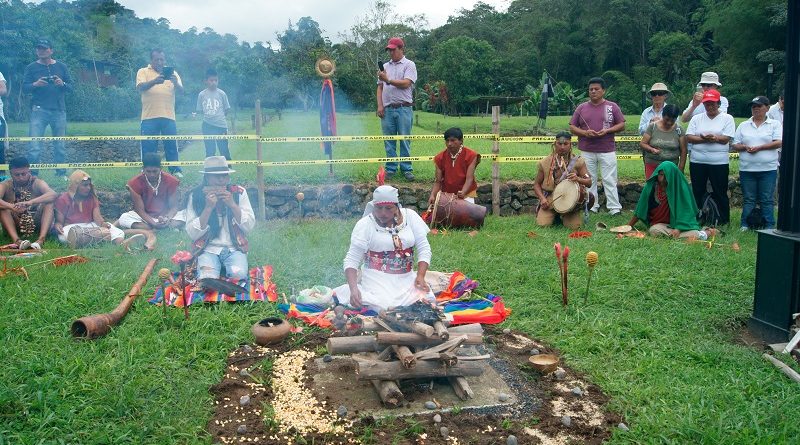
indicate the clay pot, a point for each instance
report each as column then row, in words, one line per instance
column 270, row 331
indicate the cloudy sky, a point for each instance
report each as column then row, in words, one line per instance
column 254, row 20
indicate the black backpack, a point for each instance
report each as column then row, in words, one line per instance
column 755, row 220
column 708, row 216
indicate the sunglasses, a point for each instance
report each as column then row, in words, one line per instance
column 708, row 85
column 658, row 93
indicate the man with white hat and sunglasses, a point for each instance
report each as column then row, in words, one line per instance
column 218, row 218
column 708, row 81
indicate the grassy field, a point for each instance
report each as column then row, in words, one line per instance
column 307, row 124
column 658, row 334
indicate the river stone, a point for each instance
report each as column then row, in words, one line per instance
column 566, row 421
column 327, row 358
column 444, row 432
column 244, row 400
column 577, row 391
column 502, row 397
column 535, row 351
column 560, row 374
column 506, row 331
column 244, row 373
column 430, row 405
column 511, row 440
column 623, row 427
column 242, row 429
column 341, row 411
column 437, row 418
column 247, row 348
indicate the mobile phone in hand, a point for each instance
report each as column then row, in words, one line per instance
column 167, row 72
column 380, row 66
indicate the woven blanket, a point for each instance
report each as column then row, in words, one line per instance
column 259, row 288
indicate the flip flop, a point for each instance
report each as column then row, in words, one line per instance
column 600, row 226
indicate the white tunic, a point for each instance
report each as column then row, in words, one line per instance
column 379, row 289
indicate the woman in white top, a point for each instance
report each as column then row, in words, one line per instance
column 758, row 140
column 383, row 244
column 711, row 133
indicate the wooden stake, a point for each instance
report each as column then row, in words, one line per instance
column 389, row 393
column 791, row 373
column 461, row 387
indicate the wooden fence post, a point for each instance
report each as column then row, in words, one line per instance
column 495, row 164
column 262, row 214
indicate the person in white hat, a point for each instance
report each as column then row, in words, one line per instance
column 708, row 81
column 385, row 240
column 658, row 94
column 218, row 218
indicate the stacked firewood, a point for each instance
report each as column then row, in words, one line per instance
column 412, row 342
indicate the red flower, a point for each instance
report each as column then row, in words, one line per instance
column 181, row 256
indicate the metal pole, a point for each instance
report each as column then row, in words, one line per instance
column 261, row 215
column 495, row 164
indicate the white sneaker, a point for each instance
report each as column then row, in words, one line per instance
column 744, row 229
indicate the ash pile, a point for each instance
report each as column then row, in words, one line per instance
column 410, row 342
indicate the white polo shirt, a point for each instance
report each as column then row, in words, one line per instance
column 710, row 153
column 750, row 135
column 775, row 112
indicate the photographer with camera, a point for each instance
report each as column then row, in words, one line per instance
column 47, row 81
column 158, row 83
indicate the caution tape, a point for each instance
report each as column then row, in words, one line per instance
column 490, row 157
column 293, row 139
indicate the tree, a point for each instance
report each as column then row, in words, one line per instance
column 467, row 66
column 301, row 46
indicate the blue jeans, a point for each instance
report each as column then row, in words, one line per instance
column 759, row 187
column 397, row 121
column 211, row 146
column 161, row 126
column 57, row 120
column 235, row 262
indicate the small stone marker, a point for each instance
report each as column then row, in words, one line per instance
column 242, row 429
column 502, row 397
column 566, row 421
column 623, row 427
column 511, row 440
column 430, row 405
column 535, row 351
column 437, row 418
column 341, row 411
column 560, row 374
column 244, row 400
column 327, row 358
column 244, row 373
column 247, row 348
column 444, row 432
column 506, row 331
column 577, row 391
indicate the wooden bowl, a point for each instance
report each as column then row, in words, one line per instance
column 544, row 363
column 270, row 331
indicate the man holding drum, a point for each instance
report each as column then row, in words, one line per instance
column 554, row 170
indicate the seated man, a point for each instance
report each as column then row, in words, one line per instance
column 218, row 218
column 560, row 165
column 26, row 202
column 455, row 168
column 155, row 197
column 379, row 265
column 667, row 205
column 78, row 211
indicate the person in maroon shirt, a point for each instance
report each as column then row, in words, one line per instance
column 455, row 168
column 154, row 193
column 79, row 208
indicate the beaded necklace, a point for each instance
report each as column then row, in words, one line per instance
column 455, row 156
column 158, row 184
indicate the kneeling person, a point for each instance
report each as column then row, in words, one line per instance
column 561, row 165
column 667, row 205
column 218, row 218
column 455, row 168
column 26, row 203
column 78, row 213
column 154, row 193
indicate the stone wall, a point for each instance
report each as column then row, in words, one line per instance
column 348, row 200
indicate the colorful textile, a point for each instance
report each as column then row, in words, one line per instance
column 259, row 288
column 314, row 315
column 490, row 310
column 459, row 285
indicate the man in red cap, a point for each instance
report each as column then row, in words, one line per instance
column 395, row 104
column 711, row 132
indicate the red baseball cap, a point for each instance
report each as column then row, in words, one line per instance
column 394, row 43
column 711, row 96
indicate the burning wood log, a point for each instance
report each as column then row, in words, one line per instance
column 349, row 345
column 421, row 329
column 405, row 355
column 461, row 387
column 448, row 359
column 389, row 392
column 441, row 330
column 367, row 369
column 411, row 339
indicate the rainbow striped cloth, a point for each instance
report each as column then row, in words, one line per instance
column 259, row 288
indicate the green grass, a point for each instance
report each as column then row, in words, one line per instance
column 307, row 124
column 656, row 334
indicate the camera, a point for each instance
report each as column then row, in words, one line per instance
column 167, row 72
column 51, row 79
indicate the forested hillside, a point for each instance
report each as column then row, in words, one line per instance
column 479, row 52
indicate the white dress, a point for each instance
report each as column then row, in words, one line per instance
column 387, row 275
